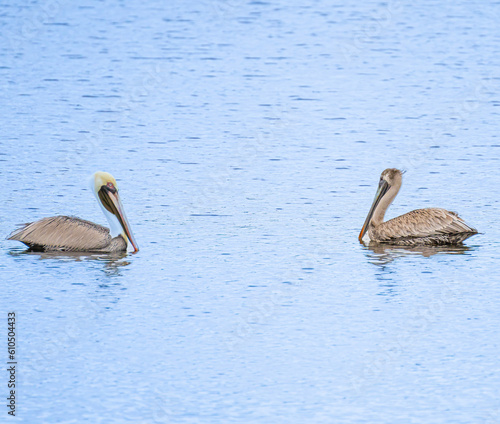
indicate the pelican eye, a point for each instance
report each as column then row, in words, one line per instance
column 110, row 187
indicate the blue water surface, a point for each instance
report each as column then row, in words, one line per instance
column 247, row 138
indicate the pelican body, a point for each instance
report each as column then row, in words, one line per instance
column 71, row 234
column 430, row 226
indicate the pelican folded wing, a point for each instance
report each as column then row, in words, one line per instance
column 63, row 233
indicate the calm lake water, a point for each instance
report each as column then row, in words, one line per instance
column 247, row 139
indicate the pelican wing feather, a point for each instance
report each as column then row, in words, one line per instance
column 63, row 233
column 423, row 223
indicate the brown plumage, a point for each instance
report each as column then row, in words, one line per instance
column 431, row 226
column 68, row 234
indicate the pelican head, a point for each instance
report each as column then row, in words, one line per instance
column 105, row 190
column 388, row 187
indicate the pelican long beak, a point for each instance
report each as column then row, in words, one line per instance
column 383, row 187
column 111, row 201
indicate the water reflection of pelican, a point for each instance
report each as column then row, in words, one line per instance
column 387, row 253
column 112, row 262
column 71, row 234
column 430, row 226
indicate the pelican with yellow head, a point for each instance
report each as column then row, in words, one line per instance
column 71, row 234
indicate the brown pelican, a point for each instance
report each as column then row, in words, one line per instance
column 430, row 226
column 64, row 233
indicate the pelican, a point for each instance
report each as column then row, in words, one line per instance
column 71, row 234
column 430, row 226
